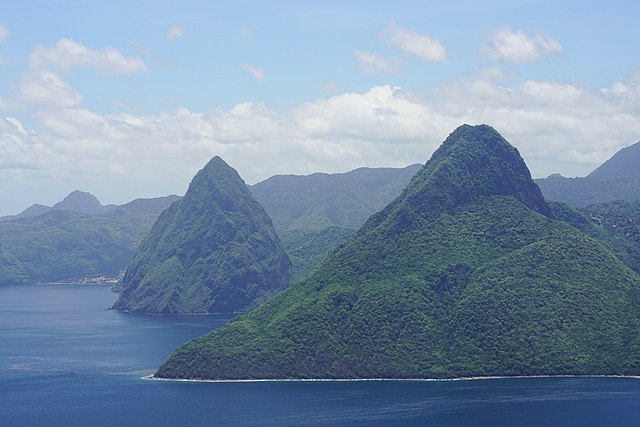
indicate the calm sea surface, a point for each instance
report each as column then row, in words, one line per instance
column 66, row 361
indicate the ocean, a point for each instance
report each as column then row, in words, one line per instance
column 65, row 360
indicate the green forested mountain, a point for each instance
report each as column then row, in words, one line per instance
column 63, row 245
column 616, row 224
column 581, row 192
column 466, row 273
column 214, row 250
column 321, row 200
column 307, row 248
column 315, row 213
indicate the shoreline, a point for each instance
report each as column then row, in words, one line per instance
column 478, row 378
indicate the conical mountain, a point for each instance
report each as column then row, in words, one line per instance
column 464, row 274
column 79, row 201
column 214, row 250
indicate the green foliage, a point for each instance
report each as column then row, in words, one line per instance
column 616, row 224
column 215, row 250
column 307, row 248
column 62, row 245
column 453, row 278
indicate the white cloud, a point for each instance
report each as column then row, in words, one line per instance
column 519, row 47
column 558, row 127
column 375, row 63
column 413, row 43
column 256, row 73
column 4, row 33
column 68, row 54
column 44, row 89
column 176, row 32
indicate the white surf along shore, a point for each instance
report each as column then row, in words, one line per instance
column 274, row 380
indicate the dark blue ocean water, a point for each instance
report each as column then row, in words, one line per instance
column 66, row 361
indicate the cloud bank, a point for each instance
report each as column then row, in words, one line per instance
column 558, row 127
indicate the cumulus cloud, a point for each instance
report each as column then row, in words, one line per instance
column 375, row 63
column 44, row 89
column 69, row 53
column 424, row 47
column 256, row 73
column 558, row 127
column 176, row 32
column 4, row 33
column 519, row 47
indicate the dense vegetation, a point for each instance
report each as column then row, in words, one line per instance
column 313, row 214
column 63, row 245
column 466, row 273
column 321, row 200
column 214, row 250
column 307, row 248
column 582, row 192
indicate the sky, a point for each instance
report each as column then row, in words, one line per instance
column 129, row 99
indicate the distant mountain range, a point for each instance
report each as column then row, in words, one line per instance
column 616, row 179
column 312, row 215
column 75, row 238
column 76, row 201
column 320, row 200
column 315, row 213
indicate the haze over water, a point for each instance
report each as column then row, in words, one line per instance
column 66, row 361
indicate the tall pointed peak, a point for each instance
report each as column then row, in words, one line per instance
column 214, row 250
column 473, row 162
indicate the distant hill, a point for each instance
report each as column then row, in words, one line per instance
column 466, row 273
column 616, row 179
column 624, row 164
column 60, row 245
column 214, row 250
column 320, row 200
column 81, row 202
column 76, row 201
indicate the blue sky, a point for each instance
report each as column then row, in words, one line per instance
column 130, row 99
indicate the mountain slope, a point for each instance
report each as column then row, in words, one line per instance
column 214, row 250
column 624, row 164
column 616, row 179
column 581, row 192
column 464, row 274
column 61, row 245
column 321, row 200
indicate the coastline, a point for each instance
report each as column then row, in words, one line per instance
column 478, row 378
